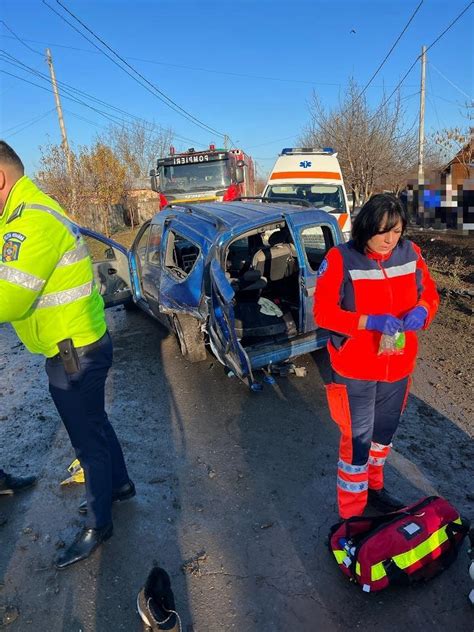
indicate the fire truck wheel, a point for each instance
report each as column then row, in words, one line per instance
column 190, row 337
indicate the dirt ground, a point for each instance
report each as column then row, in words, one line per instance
column 235, row 490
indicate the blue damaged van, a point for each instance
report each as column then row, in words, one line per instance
column 237, row 278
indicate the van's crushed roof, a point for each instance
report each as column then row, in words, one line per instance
column 229, row 215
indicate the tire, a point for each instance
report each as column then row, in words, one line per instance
column 190, row 338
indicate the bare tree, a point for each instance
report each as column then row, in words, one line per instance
column 457, row 143
column 104, row 180
column 53, row 176
column 376, row 148
column 137, row 146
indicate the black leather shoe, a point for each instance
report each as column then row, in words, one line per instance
column 86, row 542
column 12, row 484
column 384, row 502
column 155, row 603
column 119, row 495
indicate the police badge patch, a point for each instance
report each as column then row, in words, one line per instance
column 11, row 247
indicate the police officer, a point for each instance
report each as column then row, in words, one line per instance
column 48, row 294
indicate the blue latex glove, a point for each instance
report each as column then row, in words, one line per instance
column 415, row 318
column 384, row 323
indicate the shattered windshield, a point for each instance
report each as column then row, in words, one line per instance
column 328, row 197
column 207, row 176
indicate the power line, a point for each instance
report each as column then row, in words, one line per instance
column 419, row 56
column 145, row 83
column 19, row 39
column 70, row 90
column 27, row 124
column 199, row 68
column 390, row 51
column 449, row 81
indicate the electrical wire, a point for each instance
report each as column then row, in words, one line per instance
column 449, row 81
column 19, row 39
column 198, row 68
column 391, row 50
column 70, row 90
column 28, row 124
column 144, row 82
column 450, row 25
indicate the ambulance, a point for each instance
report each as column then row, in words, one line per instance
column 313, row 175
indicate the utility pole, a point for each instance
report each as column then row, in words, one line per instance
column 226, row 141
column 421, row 128
column 64, row 143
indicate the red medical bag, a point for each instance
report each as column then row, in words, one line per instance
column 412, row 544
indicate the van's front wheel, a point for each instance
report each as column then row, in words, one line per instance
column 190, row 337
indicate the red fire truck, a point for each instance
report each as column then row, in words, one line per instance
column 203, row 176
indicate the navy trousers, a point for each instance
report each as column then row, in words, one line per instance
column 79, row 399
column 368, row 414
column 375, row 410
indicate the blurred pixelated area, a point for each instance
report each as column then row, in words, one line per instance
column 445, row 197
column 438, row 204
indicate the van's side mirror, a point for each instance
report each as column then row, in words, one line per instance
column 239, row 172
column 155, row 181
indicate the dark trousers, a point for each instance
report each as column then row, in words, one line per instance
column 79, row 399
column 368, row 414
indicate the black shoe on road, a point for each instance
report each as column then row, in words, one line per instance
column 86, row 542
column 155, row 603
column 12, row 484
column 382, row 501
column 118, row 495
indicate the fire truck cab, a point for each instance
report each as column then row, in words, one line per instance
column 313, row 175
column 203, row 176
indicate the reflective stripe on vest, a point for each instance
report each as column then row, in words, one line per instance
column 372, row 275
column 61, row 218
column 23, row 279
column 351, row 469
column 64, row 296
column 396, row 271
column 73, row 256
column 378, row 275
column 355, row 488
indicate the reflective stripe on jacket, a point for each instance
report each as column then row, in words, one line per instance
column 47, row 286
column 351, row 284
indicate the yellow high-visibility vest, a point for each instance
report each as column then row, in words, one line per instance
column 47, row 288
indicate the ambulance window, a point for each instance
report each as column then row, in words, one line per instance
column 316, row 241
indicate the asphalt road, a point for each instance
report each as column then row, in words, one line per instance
column 236, row 493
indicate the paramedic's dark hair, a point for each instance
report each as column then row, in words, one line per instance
column 9, row 157
column 382, row 211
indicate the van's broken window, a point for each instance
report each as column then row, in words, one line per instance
column 181, row 255
column 316, row 242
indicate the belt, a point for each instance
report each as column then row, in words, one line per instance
column 81, row 351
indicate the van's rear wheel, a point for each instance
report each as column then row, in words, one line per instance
column 190, row 337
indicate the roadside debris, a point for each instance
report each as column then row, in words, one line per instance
column 193, row 565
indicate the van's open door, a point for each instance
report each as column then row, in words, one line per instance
column 222, row 336
column 315, row 232
column 110, row 262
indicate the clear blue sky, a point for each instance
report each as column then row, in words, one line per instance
column 246, row 68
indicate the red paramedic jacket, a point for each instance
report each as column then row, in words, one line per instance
column 351, row 284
